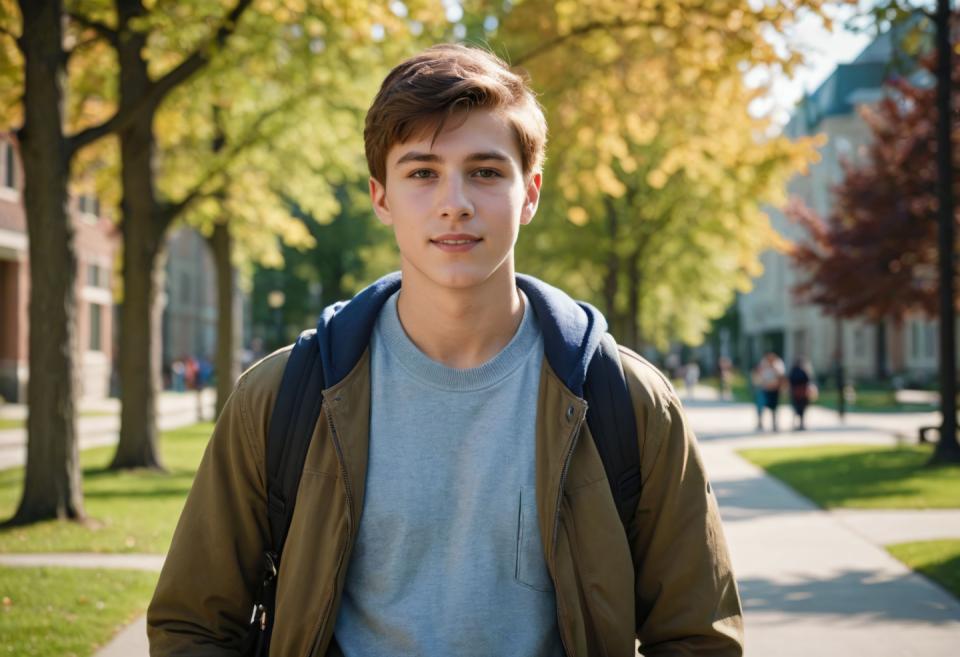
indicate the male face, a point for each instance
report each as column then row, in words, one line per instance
column 456, row 206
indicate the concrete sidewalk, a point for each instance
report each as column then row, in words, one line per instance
column 173, row 410
column 815, row 582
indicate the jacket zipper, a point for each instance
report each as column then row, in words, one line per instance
column 574, row 438
column 347, row 544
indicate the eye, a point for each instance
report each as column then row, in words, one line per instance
column 487, row 173
column 421, row 173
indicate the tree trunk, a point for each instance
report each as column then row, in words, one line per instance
column 636, row 289
column 52, row 487
column 882, row 370
column 221, row 244
column 143, row 227
column 611, row 281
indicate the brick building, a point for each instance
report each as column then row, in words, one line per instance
column 96, row 243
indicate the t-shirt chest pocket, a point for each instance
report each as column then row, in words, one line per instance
column 531, row 567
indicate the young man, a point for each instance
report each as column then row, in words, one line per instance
column 452, row 501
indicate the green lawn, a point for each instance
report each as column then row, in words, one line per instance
column 128, row 511
column 873, row 401
column 938, row 560
column 52, row 612
column 863, row 476
column 17, row 423
column 9, row 423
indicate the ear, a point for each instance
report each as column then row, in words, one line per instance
column 378, row 194
column 531, row 198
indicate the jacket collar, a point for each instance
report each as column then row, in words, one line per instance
column 571, row 329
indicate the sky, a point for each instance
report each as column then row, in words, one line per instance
column 823, row 50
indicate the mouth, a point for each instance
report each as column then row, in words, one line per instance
column 456, row 243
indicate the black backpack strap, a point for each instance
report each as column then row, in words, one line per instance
column 295, row 414
column 612, row 423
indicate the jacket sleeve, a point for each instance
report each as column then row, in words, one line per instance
column 204, row 597
column 686, row 595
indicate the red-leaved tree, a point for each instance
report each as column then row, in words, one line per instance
column 875, row 256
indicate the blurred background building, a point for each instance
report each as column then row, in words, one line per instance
column 771, row 318
column 96, row 244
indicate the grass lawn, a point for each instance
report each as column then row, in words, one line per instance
column 863, row 476
column 873, row 401
column 938, row 560
column 52, row 612
column 10, row 423
column 128, row 511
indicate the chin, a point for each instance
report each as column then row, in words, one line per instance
column 458, row 279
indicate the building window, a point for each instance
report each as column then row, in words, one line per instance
column 89, row 204
column 859, row 342
column 96, row 319
column 930, row 331
column 93, row 276
column 9, row 166
column 184, row 288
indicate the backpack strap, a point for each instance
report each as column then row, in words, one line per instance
column 613, row 426
column 292, row 423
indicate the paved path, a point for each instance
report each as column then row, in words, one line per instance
column 813, row 582
column 174, row 410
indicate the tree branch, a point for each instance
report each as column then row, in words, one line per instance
column 586, row 28
column 6, row 31
column 252, row 136
column 199, row 57
column 105, row 31
column 159, row 89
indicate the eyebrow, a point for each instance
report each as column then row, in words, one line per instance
column 418, row 156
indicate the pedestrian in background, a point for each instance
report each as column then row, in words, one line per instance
column 803, row 390
column 725, row 374
column 758, row 397
column 691, row 376
column 772, row 375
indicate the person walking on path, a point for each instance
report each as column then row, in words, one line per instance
column 452, row 500
column 771, row 378
column 803, row 390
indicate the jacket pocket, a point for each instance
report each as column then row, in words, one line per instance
column 531, row 569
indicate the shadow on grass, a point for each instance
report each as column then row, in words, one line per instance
column 169, row 491
column 102, row 471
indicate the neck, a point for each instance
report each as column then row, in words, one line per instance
column 460, row 327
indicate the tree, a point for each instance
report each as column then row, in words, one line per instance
column 656, row 171
column 277, row 126
column 39, row 65
column 159, row 50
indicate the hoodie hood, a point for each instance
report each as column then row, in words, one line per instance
column 571, row 329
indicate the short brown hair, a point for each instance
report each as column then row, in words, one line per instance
column 426, row 89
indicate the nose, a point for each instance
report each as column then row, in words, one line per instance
column 453, row 201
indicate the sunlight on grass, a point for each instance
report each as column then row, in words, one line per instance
column 863, row 476
column 938, row 560
column 134, row 511
column 51, row 612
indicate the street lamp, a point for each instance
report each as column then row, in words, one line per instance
column 276, row 299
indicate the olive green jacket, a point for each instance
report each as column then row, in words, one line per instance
column 672, row 588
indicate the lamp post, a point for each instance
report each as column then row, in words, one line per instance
column 947, row 448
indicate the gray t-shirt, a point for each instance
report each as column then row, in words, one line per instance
column 448, row 558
